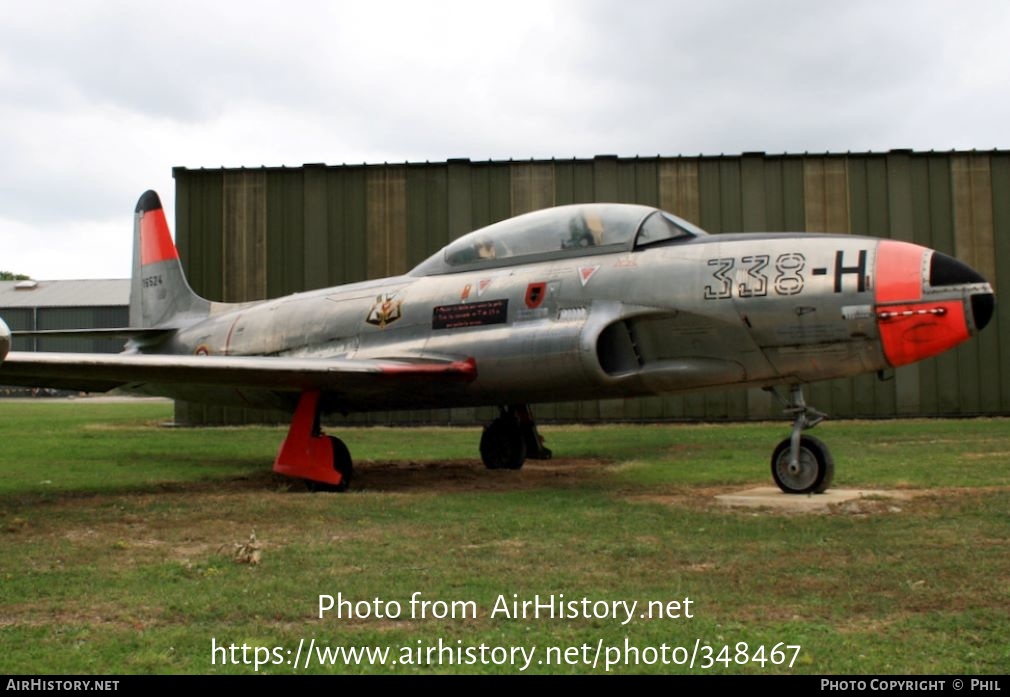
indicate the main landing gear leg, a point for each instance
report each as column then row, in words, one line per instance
column 511, row 438
column 802, row 464
column 322, row 461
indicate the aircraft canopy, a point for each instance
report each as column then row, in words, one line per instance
column 574, row 230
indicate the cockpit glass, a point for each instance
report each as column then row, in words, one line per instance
column 663, row 227
column 574, row 230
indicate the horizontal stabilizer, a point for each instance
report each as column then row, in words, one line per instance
column 141, row 335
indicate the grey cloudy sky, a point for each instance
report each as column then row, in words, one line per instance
column 100, row 99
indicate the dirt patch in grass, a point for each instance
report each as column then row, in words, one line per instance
column 470, row 475
column 405, row 476
column 145, row 524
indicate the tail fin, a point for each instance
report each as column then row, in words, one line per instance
column 160, row 296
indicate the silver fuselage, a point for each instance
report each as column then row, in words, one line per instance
column 728, row 310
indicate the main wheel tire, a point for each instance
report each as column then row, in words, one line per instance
column 816, row 467
column 341, row 463
column 502, row 445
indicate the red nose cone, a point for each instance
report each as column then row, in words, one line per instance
column 925, row 301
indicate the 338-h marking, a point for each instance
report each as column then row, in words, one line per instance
column 786, row 276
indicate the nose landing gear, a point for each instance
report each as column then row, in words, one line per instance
column 802, row 464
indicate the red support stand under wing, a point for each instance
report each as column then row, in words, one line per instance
column 306, row 453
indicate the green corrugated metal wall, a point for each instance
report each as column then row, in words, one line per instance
column 247, row 234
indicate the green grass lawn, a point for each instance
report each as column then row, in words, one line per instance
column 126, row 548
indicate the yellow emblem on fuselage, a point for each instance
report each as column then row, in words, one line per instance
column 386, row 310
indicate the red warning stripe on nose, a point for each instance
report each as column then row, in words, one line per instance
column 155, row 240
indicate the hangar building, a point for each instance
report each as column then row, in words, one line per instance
column 252, row 233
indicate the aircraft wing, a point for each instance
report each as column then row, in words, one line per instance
column 353, row 377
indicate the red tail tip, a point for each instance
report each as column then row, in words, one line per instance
column 155, row 239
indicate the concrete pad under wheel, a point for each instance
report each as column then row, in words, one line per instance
column 773, row 497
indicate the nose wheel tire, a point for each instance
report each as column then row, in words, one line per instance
column 811, row 474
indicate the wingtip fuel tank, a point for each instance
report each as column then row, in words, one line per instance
column 5, row 340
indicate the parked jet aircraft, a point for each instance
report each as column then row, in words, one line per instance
column 586, row 301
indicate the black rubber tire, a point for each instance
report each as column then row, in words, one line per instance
column 817, row 468
column 502, row 445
